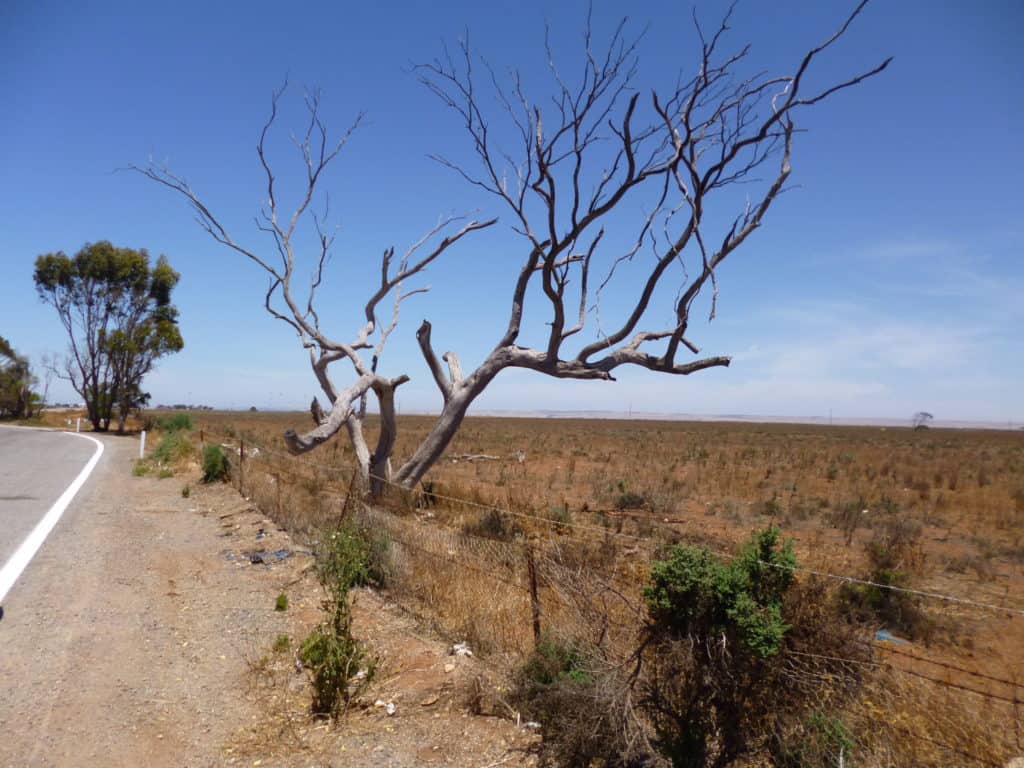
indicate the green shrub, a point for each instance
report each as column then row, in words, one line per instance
column 186, row 492
column 215, row 464
column 282, row 644
column 693, row 592
column 715, row 637
column 164, row 473
column 141, row 469
column 281, row 603
column 177, row 422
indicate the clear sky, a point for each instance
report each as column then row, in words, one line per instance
column 891, row 280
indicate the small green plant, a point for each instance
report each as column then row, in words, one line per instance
column 215, row 464
column 164, row 473
column 141, row 469
column 282, row 644
column 186, row 492
column 554, row 662
column 281, row 603
column 821, row 741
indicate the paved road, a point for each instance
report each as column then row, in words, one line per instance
column 36, row 467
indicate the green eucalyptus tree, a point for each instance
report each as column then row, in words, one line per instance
column 117, row 312
column 16, row 381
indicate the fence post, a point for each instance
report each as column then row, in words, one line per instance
column 241, row 466
column 277, row 486
column 531, row 570
column 202, row 439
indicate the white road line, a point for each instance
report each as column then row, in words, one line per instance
column 12, row 568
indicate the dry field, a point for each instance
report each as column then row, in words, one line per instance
column 582, row 506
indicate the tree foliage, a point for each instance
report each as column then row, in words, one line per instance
column 17, row 399
column 117, row 312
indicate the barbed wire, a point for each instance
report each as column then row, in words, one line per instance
column 607, row 532
column 947, row 665
column 292, row 469
column 913, row 673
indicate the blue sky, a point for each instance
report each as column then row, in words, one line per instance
column 890, row 280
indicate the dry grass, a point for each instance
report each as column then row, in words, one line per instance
column 596, row 500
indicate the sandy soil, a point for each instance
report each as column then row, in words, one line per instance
column 144, row 638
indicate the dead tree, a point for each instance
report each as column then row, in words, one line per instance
column 579, row 151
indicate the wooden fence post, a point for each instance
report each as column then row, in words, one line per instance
column 531, row 570
column 241, row 466
column 277, row 485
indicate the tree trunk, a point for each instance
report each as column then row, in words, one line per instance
column 380, row 462
column 447, row 424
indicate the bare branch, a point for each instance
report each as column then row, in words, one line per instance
column 423, row 337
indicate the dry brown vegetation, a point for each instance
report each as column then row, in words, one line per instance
column 937, row 510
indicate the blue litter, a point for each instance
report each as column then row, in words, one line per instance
column 884, row 635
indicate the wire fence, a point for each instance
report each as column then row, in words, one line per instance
column 506, row 580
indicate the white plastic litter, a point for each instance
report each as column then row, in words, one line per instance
column 461, row 649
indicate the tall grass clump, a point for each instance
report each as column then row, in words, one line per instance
column 173, row 447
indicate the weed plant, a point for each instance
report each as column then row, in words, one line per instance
column 215, row 464
column 333, row 658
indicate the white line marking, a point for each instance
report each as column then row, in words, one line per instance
column 23, row 555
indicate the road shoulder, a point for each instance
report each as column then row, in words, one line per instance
column 145, row 638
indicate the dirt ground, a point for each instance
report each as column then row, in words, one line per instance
column 146, row 634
